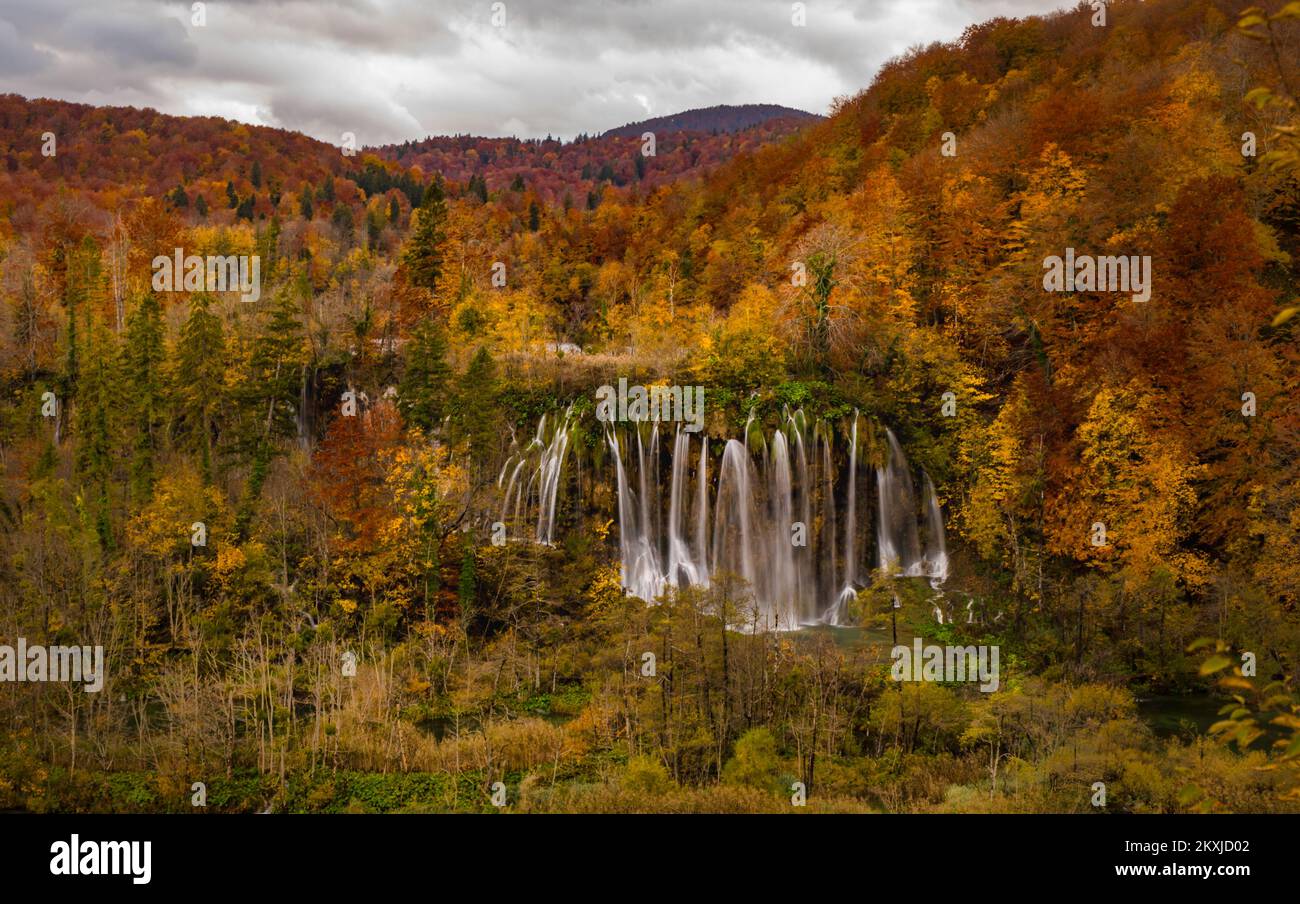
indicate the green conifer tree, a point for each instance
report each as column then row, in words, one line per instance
column 143, row 358
column 198, row 379
column 422, row 393
column 423, row 255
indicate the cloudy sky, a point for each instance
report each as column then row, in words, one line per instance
column 389, row 70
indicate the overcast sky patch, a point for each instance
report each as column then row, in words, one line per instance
column 392, row 70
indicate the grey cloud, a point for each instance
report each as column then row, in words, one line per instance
column 17, row 56
column 395, row 69
column 152, row 42
column 327, row 116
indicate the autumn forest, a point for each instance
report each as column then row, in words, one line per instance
column 372, row 542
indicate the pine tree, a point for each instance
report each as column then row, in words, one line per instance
column 95, row 425
column 423, row 389
column 342, row 221
column 304, row 203
column 269, row 248
column 269, row 397
column 478, row 188
column 144, row 379
column 198, row 378
column 83, row 284
column 74, row 300
column 423, row 256
column 274, row 381
column 478, row 410
column 534, row 216
column 256, row 178
column 201, row 206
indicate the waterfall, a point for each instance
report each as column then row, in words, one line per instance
column 848, row 589
column 733, row 543
column 641, row 573
column 685, row 566
column 782, row 570
column 830, row 565
column 898, row 542
column 702, row 509
column 897, row 547
column 934, row 564
column 804, row 561
column 778, row 514
column 542, row 459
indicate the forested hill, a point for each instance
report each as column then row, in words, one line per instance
column 120, row 153
column 722, row 118
column 125, row 152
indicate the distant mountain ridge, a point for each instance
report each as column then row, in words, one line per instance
column 120, row 150
column 688, row 143
column 721, row 118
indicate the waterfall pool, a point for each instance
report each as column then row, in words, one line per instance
column 1175, row 715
